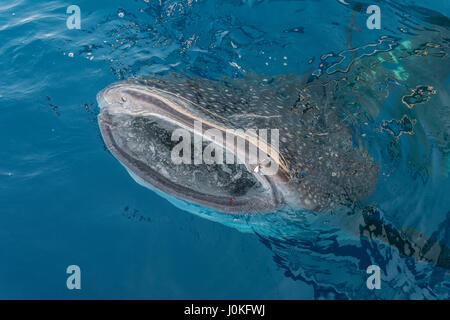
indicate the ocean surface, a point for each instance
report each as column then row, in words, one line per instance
column 65, row 200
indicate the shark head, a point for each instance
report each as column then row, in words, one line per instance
column 232, row 148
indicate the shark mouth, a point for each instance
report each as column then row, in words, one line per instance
column 137, row 123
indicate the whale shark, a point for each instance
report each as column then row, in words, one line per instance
column 319, row 165
column 363, row 158
column 324, row 163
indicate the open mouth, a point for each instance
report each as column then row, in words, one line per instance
column 137, row 124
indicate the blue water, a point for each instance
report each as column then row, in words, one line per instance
column 64, row 199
